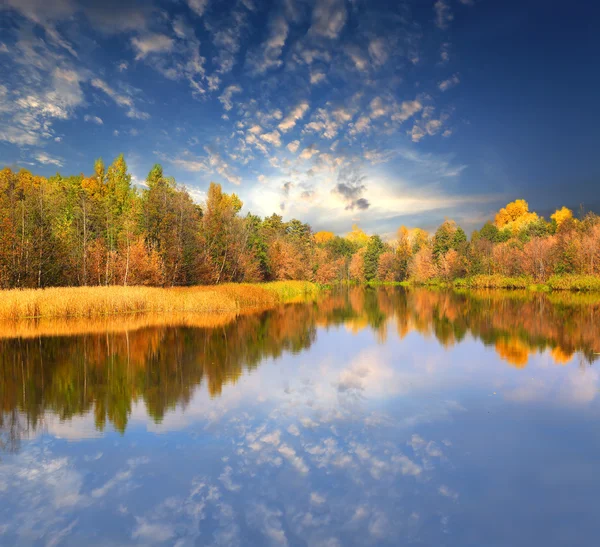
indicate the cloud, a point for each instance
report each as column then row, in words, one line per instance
column 218, row 164
column 42, row 157
column 268, row 55
column 212, row 162
column 447, row 492
column 274, row 138
column 445, row 52
column 379, row 51
column 152, row 532
column 293, row 146
column 93, row 119
column 151, row 44
column 350, row 187
column 227, row 95
column 328, row 18
column 317, row 76
column 226, row 34
column 449, row 83
column 31, row 110
column 120, row 99
column 327, row 123
column 197, row 6
column 443, row 14
column 428, row 125
column 308, row 152
column 297, row 113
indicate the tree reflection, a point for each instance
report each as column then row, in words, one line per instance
column 162, row 365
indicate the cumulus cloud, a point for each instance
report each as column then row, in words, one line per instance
column 308, row 152
column 197, row 6
column 93, row 119
column 328, row 18
column 293, row 146
column 297, row 113
column 268, row 55
column 42, row 157
column 317, row 76
column 274, row 138
column 212, row 162
column 443, row 14
column 407, row 110
column 226, row 97
column 150, row 44
column 121, row 99
column 226, row 34
column 351, row 186
column 379, row 51
column 449, row 83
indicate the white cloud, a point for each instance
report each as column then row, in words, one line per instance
column 293, row 430
column 407, row 110
column 360, row 60
column 152, row 532
column 449, row 83
column 268, row 55
column 297, row 113
column 274, row 138
column 443, row 14
column 293, row 146
column 226, row 35
column 151, row 44
column 317, row 76
column 197, row 6
column 308, row 153
column 328, row 18
column 93, row 119
column 379, row 50
column 42, row 157
column 120, row 99
column 447, row 492
column 445, row 52
column 227, row 95
column 122, row 66
column 361, row 125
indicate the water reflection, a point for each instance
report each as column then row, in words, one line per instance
column 369, row 417
column 108, row 371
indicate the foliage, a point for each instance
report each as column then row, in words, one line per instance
column 102, row 230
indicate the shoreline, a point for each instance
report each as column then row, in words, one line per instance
column 562, row 283
column 31, row 305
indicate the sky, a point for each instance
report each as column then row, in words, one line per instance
column 336, row 112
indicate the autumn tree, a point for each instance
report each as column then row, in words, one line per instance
column 375, row 248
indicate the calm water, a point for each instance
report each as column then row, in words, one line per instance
column 373, row 417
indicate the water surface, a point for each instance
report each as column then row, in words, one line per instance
column 370, row 417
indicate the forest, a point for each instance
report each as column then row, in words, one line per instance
column 102, row 230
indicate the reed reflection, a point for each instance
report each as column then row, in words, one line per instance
column 161, row 361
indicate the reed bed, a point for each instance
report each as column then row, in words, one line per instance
column 72, row 326
column 93, row 302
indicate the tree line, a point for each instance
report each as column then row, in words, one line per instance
column 102, row 230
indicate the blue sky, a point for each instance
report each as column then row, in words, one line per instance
column 332, row 111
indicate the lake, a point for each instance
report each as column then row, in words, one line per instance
column 377, row 416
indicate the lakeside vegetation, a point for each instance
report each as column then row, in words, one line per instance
column 101, row 230
column 146, row 359
column 91, row 302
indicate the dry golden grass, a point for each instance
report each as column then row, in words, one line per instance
column 94, row 302
column 66, row 326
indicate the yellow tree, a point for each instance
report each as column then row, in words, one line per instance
column 323, row 237
column 562, row 215
column 357, row 236
column 515, row 216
